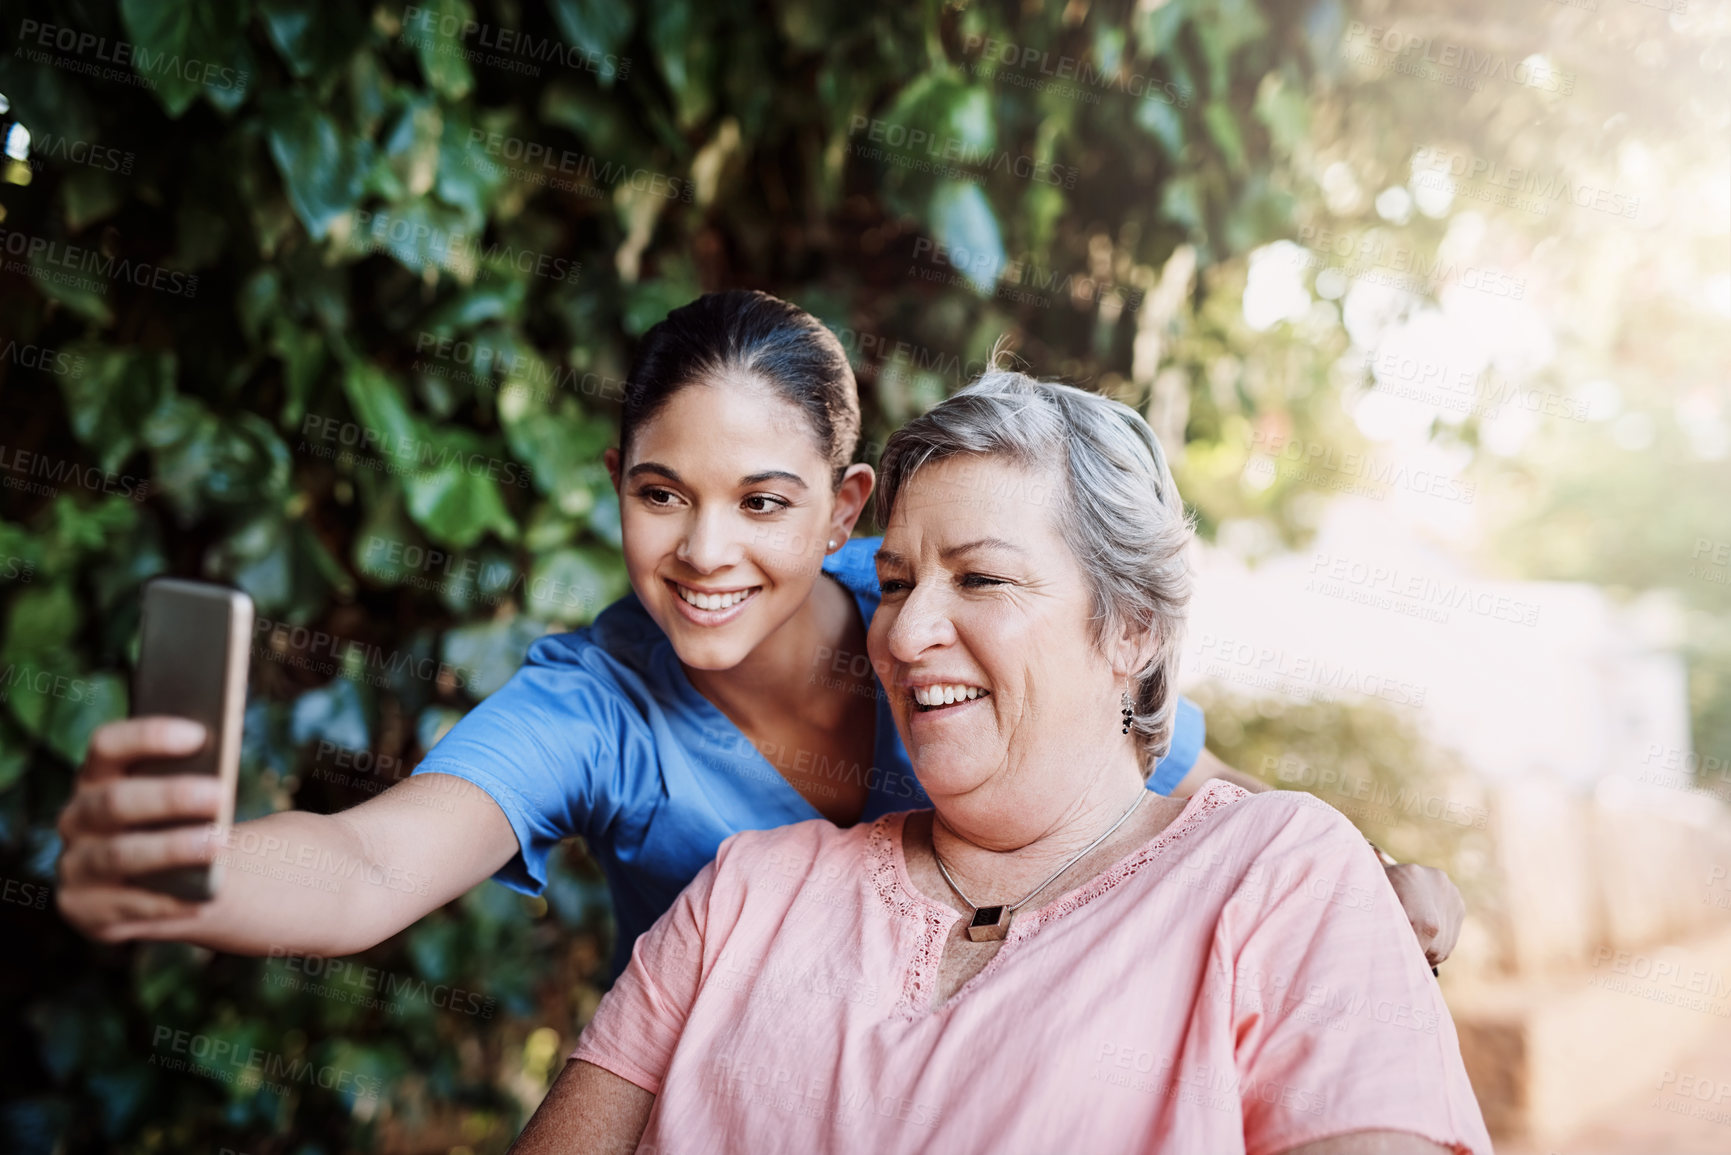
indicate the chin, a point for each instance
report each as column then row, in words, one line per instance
column 709, row 654
column 945, row 771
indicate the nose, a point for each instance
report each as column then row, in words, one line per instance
column 709, row 543
column 920, row 623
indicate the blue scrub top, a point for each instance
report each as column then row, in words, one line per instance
column 600, row 734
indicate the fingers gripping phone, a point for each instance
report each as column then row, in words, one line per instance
column 192, row 663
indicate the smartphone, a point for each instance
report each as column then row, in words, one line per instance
column 194, row 643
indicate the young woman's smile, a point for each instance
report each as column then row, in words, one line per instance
column 726, row 503
column 711, row 607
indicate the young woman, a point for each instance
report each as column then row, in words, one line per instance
column 729, row 691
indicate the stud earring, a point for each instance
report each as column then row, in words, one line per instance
column 1129, row 714
column 832, row 543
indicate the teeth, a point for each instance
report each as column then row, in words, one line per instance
column 714, row 601
column 946, row 694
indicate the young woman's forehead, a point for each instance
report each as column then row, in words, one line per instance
column 721, row 416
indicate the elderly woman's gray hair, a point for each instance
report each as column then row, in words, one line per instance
column 1117, row 509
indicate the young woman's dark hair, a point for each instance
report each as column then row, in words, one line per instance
column 746, row 331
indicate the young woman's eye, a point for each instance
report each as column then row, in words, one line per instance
column 654, row 495
column 763, row 503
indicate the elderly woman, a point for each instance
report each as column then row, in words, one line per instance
column 1049, row 959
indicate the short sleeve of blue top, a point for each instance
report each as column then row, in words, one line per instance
column 600, row 734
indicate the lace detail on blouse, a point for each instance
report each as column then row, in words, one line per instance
column 1216, row 794
column 881, row 853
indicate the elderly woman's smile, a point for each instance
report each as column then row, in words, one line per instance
column 983, row 626
column 939, row 695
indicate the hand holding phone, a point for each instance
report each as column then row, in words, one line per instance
column 195, row 638
column 136, row 836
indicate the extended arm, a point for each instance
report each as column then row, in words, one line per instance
column 1432, row 902
column 295, row 882
column 588, row 1111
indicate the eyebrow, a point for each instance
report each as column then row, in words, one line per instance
column 891, row 557
column 656, row 467
column 774, row 475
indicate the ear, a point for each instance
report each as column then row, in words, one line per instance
column 850, row 500
column 612, row 461
column 1133, row 649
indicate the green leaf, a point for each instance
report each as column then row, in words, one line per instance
column 378, row 404
column 36, row 660
column 953, row 114
column 649, row 301
column 260, row 299
column 597, row 118
column 408, row 155
column 271, row 216
column 1182, row 202
column 1161, row 121
column 1223, row 128
column 322, row 168
column 312, row 37
column 281, row 563
column 1280, row 105
column 436, row 33
column 372, row 92
column 12, row 764
column 563, row 450
column 685, row 54
column 231, row 93
column 111, row 400
column 201, row 459
column 56, row 102
column 302, row 352
column 90, row 195
column 963, row 222
column 598, row 27
column 456, row 508
column 190, row 48
column 83, row 293
column 489, row 654
column 421, row 235
column 604, row 520
column 501, row 302
column 377, row 549
column 42, row 622
column 458, row 501
column 331, row 713
column 462, row 179
column 573, row 585
column 88, row 703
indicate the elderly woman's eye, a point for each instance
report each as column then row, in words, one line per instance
column 978, row 580
column 891, row 585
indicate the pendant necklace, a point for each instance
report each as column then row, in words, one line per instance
column 993, row 922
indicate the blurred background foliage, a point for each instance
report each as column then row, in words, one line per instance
column 352, row 240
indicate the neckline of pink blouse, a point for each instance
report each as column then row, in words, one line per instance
column 887, row 862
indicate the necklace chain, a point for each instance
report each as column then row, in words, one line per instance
column 945, row 871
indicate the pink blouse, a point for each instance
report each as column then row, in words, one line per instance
column 1243, row 981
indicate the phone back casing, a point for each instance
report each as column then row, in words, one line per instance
column 192, row 662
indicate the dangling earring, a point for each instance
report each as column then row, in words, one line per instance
column 1129, row 714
